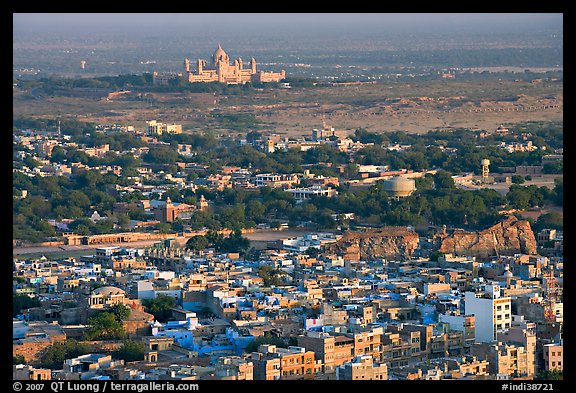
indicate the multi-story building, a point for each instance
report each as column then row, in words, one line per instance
column 503, row 359
column 323, row 346
column 553, row 356
column 275, row 180
column 28, row 373
column 492, row 311
column 266, row 368
column 295, row 362
column 461, row 323
column 522, row 333
column 234, row 368
column 170, row 212
column 154, row 127
column 303, row 193
column 362, row 368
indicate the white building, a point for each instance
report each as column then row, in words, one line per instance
column 493, row 312
column 303, row 193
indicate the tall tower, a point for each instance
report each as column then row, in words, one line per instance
column 485, row 170
column 187, row 65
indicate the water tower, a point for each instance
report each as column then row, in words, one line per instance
column 399, row 187
column 485, row 170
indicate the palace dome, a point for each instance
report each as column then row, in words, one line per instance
column 219, row 55
column 108, row 291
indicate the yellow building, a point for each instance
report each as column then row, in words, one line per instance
column 154, row 127
column 220, row 70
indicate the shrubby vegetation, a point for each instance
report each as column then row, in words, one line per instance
column 130, row 351
column 436, row 200
column 57, row 353
column 23, row 302
column 160, row 306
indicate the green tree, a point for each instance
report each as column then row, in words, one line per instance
column 266, row 339
column 552, row 220
column 164, row 227
column 443, row 179
column 197, row 243
column 235, row 242
column 124, row 221
column 518, row 179
column 434, row 255
column 57, row 353
column 121, row 312
column 550, row 375
column 104, row 326
column 22, row 302
column 130, row 351
column 270, row 275
column 518, row 197
column 160, row 306
column 18, row 359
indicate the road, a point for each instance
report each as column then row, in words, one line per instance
column 265, row 235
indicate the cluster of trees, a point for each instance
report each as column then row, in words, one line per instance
column 23, row 302
column 56, row 354
column 234, row 242
column 270, row 275
column 68, row 125
column 54, row 85
column 160, row 306
column 108, row 325
column 268, row 338
column 450, row 152
column 60, row 197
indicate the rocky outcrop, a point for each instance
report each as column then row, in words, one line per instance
column 510, row 236
column 386, row 242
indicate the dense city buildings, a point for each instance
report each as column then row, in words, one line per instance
column 153, row 251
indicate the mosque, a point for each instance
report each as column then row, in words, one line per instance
column 220, row 70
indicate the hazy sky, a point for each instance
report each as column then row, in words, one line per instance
column 293, row 22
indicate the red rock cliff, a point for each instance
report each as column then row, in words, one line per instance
column 386, row 242
column 510, row 236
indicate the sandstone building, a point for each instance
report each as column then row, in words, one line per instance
column 220, row 70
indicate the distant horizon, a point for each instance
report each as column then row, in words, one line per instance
column 294, row 23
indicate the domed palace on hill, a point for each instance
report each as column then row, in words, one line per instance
column 220, row 70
